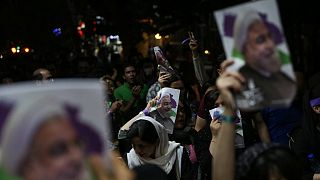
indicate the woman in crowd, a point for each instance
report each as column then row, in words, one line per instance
column 262, row 161
column 306, row 141
column 151, row 146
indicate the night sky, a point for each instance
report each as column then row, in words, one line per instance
column 31, row 22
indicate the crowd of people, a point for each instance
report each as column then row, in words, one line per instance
column 275, row 143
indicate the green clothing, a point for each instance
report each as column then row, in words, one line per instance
column 6, row 176
column 124, row 93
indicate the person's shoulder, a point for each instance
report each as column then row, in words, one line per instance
column 119, row 91
column 121, row 88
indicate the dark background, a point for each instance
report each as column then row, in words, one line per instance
column 31, row 23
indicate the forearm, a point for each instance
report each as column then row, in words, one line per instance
column 213, row 146
column 224, row 158
column 199, row 70
column 200, row 123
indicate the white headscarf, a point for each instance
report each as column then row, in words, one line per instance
column 241, row 27
column 20, row 127
column 167, row 152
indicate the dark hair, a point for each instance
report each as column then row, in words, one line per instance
column 125, row 65
column 144, row 130
column 264, row 160
column 210, row 99
column 310, row 117
column 174, row 78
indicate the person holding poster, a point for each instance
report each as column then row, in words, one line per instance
column 252, row 36
column 166, row 108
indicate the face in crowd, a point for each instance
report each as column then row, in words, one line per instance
column 144, row 149
column 130, row 74
column 181, row 117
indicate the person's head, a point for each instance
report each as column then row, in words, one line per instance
column 177, row 83
column 109, row 84
column 40, row 142
column 212, row 99
column 313, row 95
column 267, row 162
column 129, row 74
column 183, row 113
column 148, row 137
column 311, row 107
column 42, row 75
column 253, row 39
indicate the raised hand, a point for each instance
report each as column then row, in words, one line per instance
column 193, row 45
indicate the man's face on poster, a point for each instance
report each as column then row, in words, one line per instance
column 165, row 105
column 260, row 49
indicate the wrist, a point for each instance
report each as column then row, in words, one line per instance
column 228, row 118
column 146, row 111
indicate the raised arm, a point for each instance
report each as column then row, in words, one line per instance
column 199, row 70
column 224, row 160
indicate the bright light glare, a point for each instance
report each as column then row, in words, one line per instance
column 13, row 50
column 26, row 50
column 157, row 36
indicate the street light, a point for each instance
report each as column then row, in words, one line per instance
column 13, row 50
column 26, row 50
column 157, row 36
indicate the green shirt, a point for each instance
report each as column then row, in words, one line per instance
column 124, row 93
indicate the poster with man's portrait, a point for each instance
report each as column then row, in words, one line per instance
column 254, row 39
column 165, row 111
column 26, row 106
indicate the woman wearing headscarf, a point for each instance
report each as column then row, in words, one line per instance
column 151, row 146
